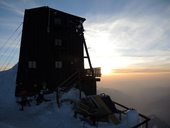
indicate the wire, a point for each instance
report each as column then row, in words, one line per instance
column 9, row 47
column 3, row 45
column 10, row 57
column 7, row 50
column 6, row 46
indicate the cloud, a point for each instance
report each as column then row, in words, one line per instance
column 18, row 6
column 11, row 7
column 141, row 39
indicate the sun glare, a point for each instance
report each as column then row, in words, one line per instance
column 106, row 71
column 105, row 53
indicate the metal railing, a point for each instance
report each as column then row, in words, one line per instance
column 97, row 72
column 143, row 123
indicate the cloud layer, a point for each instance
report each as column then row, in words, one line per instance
column 138, row 39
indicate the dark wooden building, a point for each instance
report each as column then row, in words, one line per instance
column 52, row 53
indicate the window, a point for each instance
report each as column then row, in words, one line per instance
column 57, row 21
column 58, row 42
column 79, row 29
column 58, row 64
column 32, row 64
column 44, row 85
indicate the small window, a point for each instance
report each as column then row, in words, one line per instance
column 58, row 64
column 44, row 85
column 57, row 21
column 32, row 64
column 58, row 42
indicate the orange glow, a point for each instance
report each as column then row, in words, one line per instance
column 106, row 71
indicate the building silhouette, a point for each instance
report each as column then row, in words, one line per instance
column 52, row 53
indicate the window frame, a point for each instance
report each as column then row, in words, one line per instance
column 32, row 64
column 58, row 64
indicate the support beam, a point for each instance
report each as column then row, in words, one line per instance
column 88, row 57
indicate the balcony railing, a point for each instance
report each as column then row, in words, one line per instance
column 97, row 72
column 143, row 119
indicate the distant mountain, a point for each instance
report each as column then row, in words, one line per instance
column 7, row 85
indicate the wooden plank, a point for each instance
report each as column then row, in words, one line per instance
column 113, row 119
column 97, row 99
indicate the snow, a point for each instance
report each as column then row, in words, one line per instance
column 132, row 117
column 46, row 114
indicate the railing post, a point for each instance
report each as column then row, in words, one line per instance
column 147, row 124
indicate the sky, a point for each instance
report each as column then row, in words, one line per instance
column 122, row 35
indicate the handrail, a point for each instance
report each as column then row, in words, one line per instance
column 146, row 119
column 97, row 72
column 63, row 83
column 69, row 78
column 142, row 123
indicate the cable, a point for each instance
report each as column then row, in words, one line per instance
column 9, row 47
column 3, row 45
column 8, row 59
column 11, row 60
column 7, row 50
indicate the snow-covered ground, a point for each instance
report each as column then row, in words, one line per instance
column 44, row 115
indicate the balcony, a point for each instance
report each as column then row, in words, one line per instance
column 97, row 72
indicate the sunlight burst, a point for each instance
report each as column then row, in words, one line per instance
column 106, row 71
